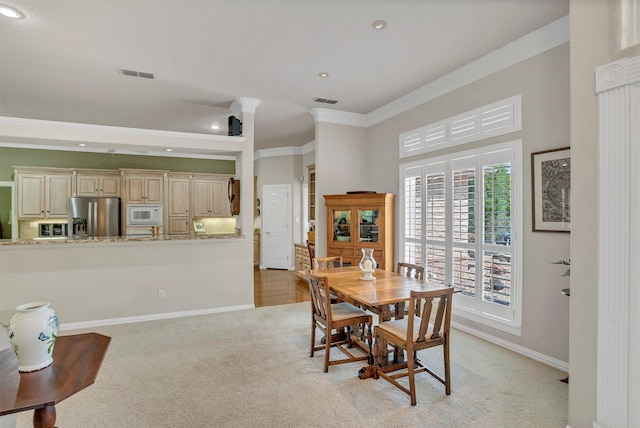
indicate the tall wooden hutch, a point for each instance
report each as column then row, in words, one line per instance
column 360, row 220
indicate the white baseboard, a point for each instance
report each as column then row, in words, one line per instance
column 544, row 359
column 151, row 317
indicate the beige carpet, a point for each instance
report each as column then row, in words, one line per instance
column 251, row 369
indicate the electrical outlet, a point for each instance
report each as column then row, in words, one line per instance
column 161, row 295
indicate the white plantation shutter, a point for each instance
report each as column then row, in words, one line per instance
column 461, row 215
column 499, row 118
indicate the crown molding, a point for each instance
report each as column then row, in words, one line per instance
column 285, row 151
column 277, row 151
column 535, row 43
column 309, row 147
column 323, row 115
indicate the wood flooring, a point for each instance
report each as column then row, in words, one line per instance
column 273, row 287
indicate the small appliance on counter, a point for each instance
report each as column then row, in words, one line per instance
column 52, row 230
column 91, row 217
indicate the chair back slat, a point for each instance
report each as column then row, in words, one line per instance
column 437, row 323
column 425, row 317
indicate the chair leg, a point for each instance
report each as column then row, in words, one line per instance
column 447, row 368
column 327, row 350
column 313, row 336
column 411, row 361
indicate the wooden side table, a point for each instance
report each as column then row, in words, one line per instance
column 76, row 362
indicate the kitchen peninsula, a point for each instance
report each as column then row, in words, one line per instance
column 131, row 280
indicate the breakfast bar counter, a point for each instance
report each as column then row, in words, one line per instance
column 66, row 240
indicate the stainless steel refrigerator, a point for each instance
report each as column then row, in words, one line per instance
column 92, row 217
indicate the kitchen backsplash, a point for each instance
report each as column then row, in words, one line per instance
column 217, row 225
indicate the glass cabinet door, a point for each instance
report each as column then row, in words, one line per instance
column 368, row 226
column 341, row 220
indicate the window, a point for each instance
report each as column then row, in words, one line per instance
column 498, row 118
column 462, row 219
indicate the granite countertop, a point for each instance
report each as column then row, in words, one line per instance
column 65, row 240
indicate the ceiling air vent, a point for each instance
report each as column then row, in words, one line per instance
column 133, row 73
column 324, row 100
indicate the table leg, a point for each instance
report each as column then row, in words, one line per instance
column 44, row 417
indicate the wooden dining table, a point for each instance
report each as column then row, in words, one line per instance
column 389, row 288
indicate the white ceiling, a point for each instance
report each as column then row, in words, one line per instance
column 60, row 62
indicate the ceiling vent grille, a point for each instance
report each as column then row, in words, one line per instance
column 324, row 100
column 133, row 73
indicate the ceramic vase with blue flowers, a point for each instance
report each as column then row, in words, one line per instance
column 32, row 333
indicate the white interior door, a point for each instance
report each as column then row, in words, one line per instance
column 276, row 226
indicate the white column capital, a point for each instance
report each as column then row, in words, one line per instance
column 618, row 73
column 244, row 105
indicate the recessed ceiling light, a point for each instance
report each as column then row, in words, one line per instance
column 215, row 127
column 10, row 12
column 82, row 145
column 168, row 150
column 323, row 74
column 379, row 24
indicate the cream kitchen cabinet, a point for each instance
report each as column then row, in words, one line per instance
column 178, row 201
column 43, row 193
column 143, row 187
column 98, row 183
column 209, row 197
column 302, row 260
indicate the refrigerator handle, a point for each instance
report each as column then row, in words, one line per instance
column 93, row 219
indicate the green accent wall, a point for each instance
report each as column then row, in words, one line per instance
column 10, row 157
column 5, row 208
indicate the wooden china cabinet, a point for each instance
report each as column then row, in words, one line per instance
column 360, row 220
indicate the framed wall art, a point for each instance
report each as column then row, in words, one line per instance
column 551, row 190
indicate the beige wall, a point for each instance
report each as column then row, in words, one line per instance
column 595, row 41
column 341, row 165
column 543, row 82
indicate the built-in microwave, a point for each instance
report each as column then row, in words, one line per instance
column 144, row 214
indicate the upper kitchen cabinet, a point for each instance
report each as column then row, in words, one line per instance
column 98, row 183
column 143, row 186
column 43, row 192
column 178, row 195
column 209, row 196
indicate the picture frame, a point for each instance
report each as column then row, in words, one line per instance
column 551, row 190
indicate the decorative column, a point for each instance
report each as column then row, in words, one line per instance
column 244, row 108
column 618, row 359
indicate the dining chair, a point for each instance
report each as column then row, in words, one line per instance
column 337, row 316
column 311, row 247
column 415, row 333
column 411, row 270
column 327, row 262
